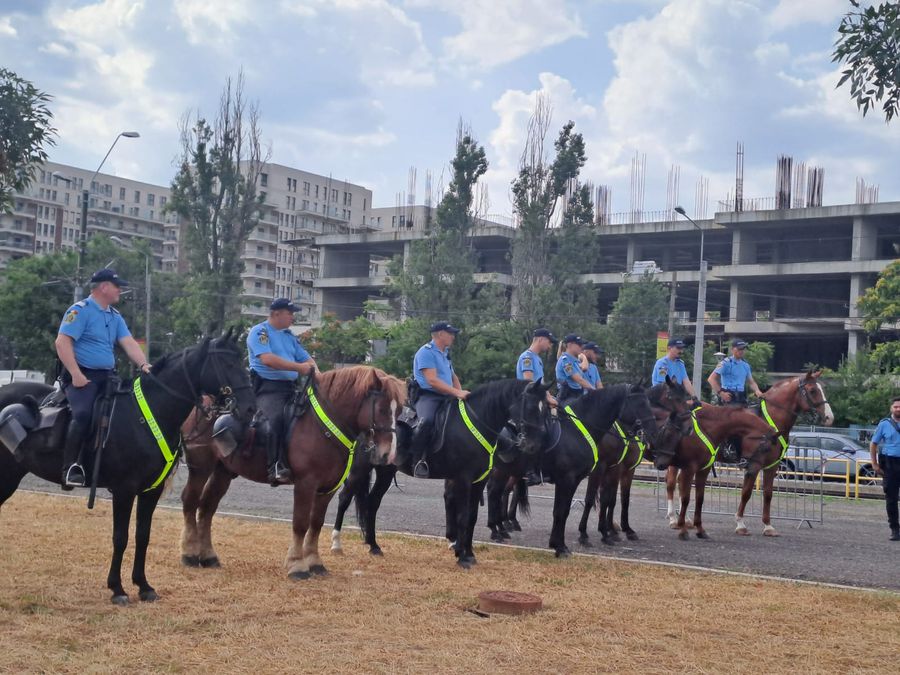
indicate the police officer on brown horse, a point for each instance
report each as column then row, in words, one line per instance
column 277, row 359
column 88, row 334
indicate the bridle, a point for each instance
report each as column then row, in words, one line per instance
column 374, row 428
column 523, row 423
column 807, row 404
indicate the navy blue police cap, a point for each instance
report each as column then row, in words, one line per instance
column 107, row 274
column 283, row 303
column 545, row 333
column 445, row 326
column 571, row 337
column 593, row 346
column 676, row 342
column 740, row 344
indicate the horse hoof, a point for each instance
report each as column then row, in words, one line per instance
column 563, row 553
column 608, row 541
column 701, row 534
column 120, row 600
column 631, row 536
column 464, row 564
column 769, row 531
column 376, row 551
column 210, row 563
column 584, row 540
column 683, row 535
column 148, row 596
column 451, row 545
column 190, row 560
column 337, row 551
column 615, row 536
column 515, row 526
column 688, row 523
column 318, row 570
column 743, row 531
column 299, row 576
column 673, row 524
column 496, row 536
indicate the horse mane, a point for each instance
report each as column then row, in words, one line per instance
column 655, row 393
column 492, row 397
column 737, row 418
column 355, row 382
column 602, row 404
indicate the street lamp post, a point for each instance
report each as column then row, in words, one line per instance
column 701, row 310
column 147, row 256
column 85, row 196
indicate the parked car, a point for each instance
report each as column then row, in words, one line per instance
column 837, row 451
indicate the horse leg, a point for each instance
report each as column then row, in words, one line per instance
column 625, row 483
column 304, row 494
column 216, row 487
column 699, row 490
column 123, row 502
column 746, row 494
column 495, row 488
column 517, row 495
column 146, row 505
column 590, row 497
column 474, row 502
column 608, row 497
column 450, row 532
column 384, row 475
column 190, row 500
column 345, row 498
column 11, row 474
column 671, row 479
column 768, row 488
column 684, row 488
column 562, row 504
column 461, row 496
column 311, row 540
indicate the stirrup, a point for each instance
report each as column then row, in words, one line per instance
column 279, row 474
column 75, row 477
column 421, row 470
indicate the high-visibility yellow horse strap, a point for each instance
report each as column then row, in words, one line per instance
column 584, row 432
column 478, row 437
column 713, row 451
column 781, row 439
column 168, row 455
column 333, row 430
column 625, row 441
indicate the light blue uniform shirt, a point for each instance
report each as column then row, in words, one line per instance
column 566, row 366
column 529, row 362
column 674, row 369
column 95, row 332
column 592, row 374
column 264, row 339
column 733, row 373
column 429, row 356
column 887, row 436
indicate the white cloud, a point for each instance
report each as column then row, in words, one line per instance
column 6, row 27
column 790, row 13
column 495, row 33
column 55, row 49
column 213, row 22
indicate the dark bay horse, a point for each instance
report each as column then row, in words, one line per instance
column 358, row 401
column 134, row 462
column 464, row 454
column 367, row 495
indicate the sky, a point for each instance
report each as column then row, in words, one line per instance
column 363, row 90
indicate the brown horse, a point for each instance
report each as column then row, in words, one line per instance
column 359, row 401
column 697, row 452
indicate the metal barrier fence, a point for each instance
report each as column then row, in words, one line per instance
column 798, row 494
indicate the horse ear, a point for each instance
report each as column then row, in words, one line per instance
column 815, row 375
column 669, row 382
column 229, row 334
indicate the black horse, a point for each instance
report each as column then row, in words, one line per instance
column 133, row 462
column 367, row 495
column 464, row 461
column 572, row 457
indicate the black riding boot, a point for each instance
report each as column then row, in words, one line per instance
column 72, row 471
column 279, row 473
column 419, row 449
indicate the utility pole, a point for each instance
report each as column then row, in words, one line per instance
column 672, row 292
column 701, row 309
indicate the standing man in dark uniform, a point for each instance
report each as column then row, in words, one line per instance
column 730, row 378
column 437, row 381
column 277, row 359
column 85, row 344
column 887, row 463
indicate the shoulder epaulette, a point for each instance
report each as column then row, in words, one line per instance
column 115, row 311
column 81, row 303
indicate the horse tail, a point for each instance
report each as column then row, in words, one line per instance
column 361, row 497
column 524, row 506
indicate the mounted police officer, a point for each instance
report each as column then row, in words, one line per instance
column 530, row 367
column 592, row 352
column 434, row 374
column 85, row 344
column 887, row 463
column 277, row 359
column 732, row 375
column 672, row 365
column 570, row 382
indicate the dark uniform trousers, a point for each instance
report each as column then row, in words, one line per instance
column 271, row 398
column 81, row 401
column 891, row 468
column 426, row 408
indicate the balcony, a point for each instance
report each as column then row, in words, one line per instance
column 268, row 256
column 17, row 246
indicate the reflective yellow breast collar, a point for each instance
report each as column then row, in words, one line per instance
column 784, row 444
column 332, row 430
column 168, row 455
column 626, row 440
column 584, row 432
column 478, row 437
column 713, row 451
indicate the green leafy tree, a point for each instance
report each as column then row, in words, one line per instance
column 489, row 354
column 25, row 130
column 868, row 44
column 341, row 342
column 215, row 194
column 403, row 340
column 860, row 390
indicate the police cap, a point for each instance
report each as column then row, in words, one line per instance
column 593, row 346
column 107, row 274
column 571, row 337
column 676, row 342
column 445, row 326
column 544, row 333
column 740, row 344
column 283, row 303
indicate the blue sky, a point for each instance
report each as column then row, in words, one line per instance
column 366, row 89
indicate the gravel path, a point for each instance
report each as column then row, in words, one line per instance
column 851, row 547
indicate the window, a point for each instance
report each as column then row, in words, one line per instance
column 122, row 193
column 151, row 200
column 306, row 188
column 137, row 196
column 264, row 179
column 334, row 195
column 306, row 205
column 162, row 202
column 317, row 191
column 66, row 199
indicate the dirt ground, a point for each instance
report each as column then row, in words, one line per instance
column 405, row 612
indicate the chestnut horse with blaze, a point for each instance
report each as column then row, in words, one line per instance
column 358, row 401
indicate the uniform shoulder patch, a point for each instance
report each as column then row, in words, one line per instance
column 662, row 372
column 568, row 368
column 70, row 316
column 526, row 362
column 263, row 337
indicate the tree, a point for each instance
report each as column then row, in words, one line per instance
column 24, row 133
column 860, row 390
column 341, row 342
column 215, row 194
column 641, row 310
column 880, row 306
column 403, row 340
column 868, row 43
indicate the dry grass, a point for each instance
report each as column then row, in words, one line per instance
column 404, row 612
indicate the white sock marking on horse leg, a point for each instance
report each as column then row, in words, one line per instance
column 336, row 542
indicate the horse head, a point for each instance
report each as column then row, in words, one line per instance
column 529, row 415
column 812, row 396
column 222, row 376
column 636, row 412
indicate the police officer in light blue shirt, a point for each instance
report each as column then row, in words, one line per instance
column 672, row 365
column 731, row 376
column 592, row 352
column 277, row 359
column 887, row 463
column 570, row 381
column 85, row 344
column 530, row 365
column 434, row 374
